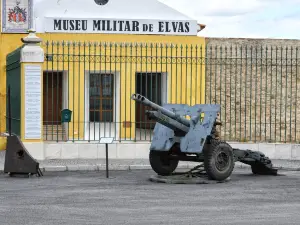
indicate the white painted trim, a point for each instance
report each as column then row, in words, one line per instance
column 65, row 89
column 65, row 99
column 116, row 104
column 164, row 87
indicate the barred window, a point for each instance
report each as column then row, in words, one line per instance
column 101, row 97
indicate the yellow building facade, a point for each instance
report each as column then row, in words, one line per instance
column 95, row 74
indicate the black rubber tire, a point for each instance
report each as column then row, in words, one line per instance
column 161, row 165
column 211, row 154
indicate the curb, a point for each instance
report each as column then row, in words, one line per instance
column 113, row 167
column 100, row 167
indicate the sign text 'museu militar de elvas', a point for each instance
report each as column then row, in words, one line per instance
column 121, row 26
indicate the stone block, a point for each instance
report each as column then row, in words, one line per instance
column 112, row 151
column 268, row 149
column 238, row 165
column 72, row 167
column 183, row 166
column 69, row 151
column 245, row 146
column 87, row 167
column 113, row 167
column 142, row 151
column 52, row 151
column 295, row 152
column 126, row 151
column 88, row 151
column 36, row 150
column 189, row 165
column 283, row 151
column 140, row 167
column 55, row 168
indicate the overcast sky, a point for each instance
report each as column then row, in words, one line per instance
column 244, row 18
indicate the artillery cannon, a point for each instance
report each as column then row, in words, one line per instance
column 176, row 138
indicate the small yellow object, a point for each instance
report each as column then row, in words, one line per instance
column 3, row 141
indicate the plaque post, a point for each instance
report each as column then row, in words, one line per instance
column 32, row 58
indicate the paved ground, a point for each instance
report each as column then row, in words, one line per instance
column 77, row 198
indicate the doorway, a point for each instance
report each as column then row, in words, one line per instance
column 150, row 86
column 52, row 97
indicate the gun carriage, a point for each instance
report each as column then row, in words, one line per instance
column 189, row 133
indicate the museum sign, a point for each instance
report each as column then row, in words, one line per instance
column 120, row 26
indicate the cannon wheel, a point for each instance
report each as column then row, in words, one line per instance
column 161, row 164
column 218, row 160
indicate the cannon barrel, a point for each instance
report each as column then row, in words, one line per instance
column 143, row 100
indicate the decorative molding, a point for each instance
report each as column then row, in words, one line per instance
column 32, row 54
column 14, row 11
column 32, row 51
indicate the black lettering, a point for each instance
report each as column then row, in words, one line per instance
column 180, row 29
column 187, row 27
column 115, row 25
column 127, row 26
column 175, row 26
column 72, row 27
column 167, row 27
column 84, row 24
column 151, row 27
column 77, row 24
column 103, row 24
column 145, row 27
column 121, row 25
column 135, row 25
column 160, row 26
column 57, row 24
column 96, row 25
column 65, row 24
column 108, row 26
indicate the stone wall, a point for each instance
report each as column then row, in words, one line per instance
column 257, row 83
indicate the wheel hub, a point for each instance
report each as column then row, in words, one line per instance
column 222, row 160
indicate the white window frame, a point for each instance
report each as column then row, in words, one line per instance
column 116, row 109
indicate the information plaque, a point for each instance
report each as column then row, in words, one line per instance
column 33, row 99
